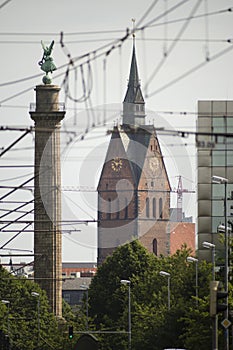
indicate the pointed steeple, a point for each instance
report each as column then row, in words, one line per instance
column 134, row 105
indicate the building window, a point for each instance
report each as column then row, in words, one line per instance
column 218, row 158
column 160, row 208
column 147, row 208
column 154, row 207
column 66, row 297
column 118, row 209
column 155, row 246
column 109, row 209
column 126, row 208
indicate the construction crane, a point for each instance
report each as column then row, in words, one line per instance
column 180, row 190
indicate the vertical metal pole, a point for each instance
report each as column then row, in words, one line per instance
column 129, row 315
column 38, row 319
column 8, row 324
column 168, row 293
column 87, row 307
column 226, row 265
column 215, row 318
column 213, row 263
column 196, row 283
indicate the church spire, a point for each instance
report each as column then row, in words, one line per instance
column 134, row 105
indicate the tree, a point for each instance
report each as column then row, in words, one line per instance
column 153, row 325
column 23, row 315
column 108, row 298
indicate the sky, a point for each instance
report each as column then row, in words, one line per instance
column 184, row 53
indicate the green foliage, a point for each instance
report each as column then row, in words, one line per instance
column 154, row 327
column 23, row 315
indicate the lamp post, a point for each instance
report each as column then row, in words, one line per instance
column 37, row 295
column 83, row 286
column 211, row 246
column 6, row 302
column 223, row 180
column 127, row 282
column 166, row 274
column 191, row 259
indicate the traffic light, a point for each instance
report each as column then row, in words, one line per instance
column 71, row 332
column 215, row 296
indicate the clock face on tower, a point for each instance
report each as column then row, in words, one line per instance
column 154, row 165
column 116, row 164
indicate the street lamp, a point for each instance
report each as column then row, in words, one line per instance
column 191, row 259
column 37, row 295
column 6, row 302
column 127, row 282
column 85, row 287
column 223, row 180
column 211, row 246
column 166, row 274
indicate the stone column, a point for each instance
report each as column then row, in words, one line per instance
column 47, row 116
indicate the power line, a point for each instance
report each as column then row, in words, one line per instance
column 4, row 3
column 172, row 46
column 147, row 12
column 230, row 9
column 190, row 71
column 148, row 24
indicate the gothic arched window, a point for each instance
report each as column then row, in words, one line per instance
column 109, row 209
column 147, row 208
column 126, row 208
column 155, row 246
column 160, row 208
column 118, row 209
column 154, row 207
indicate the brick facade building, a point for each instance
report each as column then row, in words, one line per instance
column 134, row 189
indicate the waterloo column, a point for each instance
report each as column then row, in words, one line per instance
column 47, row 115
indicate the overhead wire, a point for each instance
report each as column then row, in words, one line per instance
column 219, row 12
column 207, row 51
column 4, row 3
column 171, row 9
column 94, row 52
column 15, row 177
column 103, row 53
column 190, row 71
column 154, row 3
column 172, row 46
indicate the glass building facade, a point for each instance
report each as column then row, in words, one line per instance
column 214, row 158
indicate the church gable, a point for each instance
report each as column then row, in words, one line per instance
column 116, row 165
column 154, row 187
column 154, row 170
column 135, row 141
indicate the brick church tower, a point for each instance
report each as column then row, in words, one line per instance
column 134, row 189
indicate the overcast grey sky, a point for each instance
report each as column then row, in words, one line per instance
column 169, row 48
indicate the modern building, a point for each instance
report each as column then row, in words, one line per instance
column 134, row 189
column 215, row 173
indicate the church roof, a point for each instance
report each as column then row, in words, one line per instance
column 135, row 145
column 134, row 93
